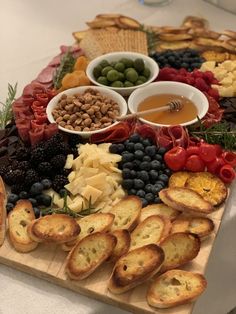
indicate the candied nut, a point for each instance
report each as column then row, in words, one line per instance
column 66, row 116
column 104, row 108
column 106, row 124
column 105, row 119
column 111, row 114
column 116, row 106
column 86, row 129
column 78, row 121
column 63, row 96
column 98, row 104
column 87, row 122
column 55, row 115
column 97, row 125
column 73, row 117
column 116, row 112
column 69, row 100
column 98, row 114
column 90, row 111
column 63, row 112
column 59, row 119
column 77, row 128
column 62, row 123
column 63, row 103
column 78, row 114
column 69, row 127
column 85, row 116
column 77, row 103
column 85, row 107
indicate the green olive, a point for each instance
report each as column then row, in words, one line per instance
column 102, row 80
column 112, row 75
column 128, row 84
column 138, row 82
column 126, row 70
column 121, row 76
column 117, row 84
column 139, row 65
column 120, row 67
column 127, row 62
column 106, row 70
column 104, row 63
column 142, row 78
column 113, row 64
column 146, row 73
column 97, row 71
column 131, row 75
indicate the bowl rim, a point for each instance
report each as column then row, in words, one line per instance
column 204, row 100
column 92, row 63
column 78, row 89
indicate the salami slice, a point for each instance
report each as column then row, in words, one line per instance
column 46, row 75
column 50, row 130
column 36, row 135
column 118, row 133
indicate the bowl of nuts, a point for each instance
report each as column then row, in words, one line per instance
column 86, row 110
column 122, row 72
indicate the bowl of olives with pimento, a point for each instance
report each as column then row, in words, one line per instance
column 122, row 72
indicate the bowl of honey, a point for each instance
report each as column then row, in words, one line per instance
column 194, row 103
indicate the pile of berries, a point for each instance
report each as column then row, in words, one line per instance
column 198, row 79
column 188, row 59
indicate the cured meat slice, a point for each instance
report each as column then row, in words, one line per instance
column 36, row 135
column 169, row 137
column 147, row 131
column 50, row 130
column 118, row 133
column 46, row 75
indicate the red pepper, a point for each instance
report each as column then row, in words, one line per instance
column 215, row 165
column 192, row 150
column 227, row 174
column 218, row 149
column 41, row 117
column 229, row 158
column 175, row 158
column 195, row 164
column 207, row 152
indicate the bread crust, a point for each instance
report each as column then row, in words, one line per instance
column 3, row 212
column 122, row 245
column 188, row 285
column 179, row 248
column 160, row 210
column 18, row 220
column 135, row 267
column 178, row 179
column 57, row 228
column 195, row 203
column 88, row 254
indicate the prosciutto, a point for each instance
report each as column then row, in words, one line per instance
column 176, row 135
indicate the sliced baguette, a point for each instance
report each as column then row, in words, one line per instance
column 135, row 267
column 179, row 248
column 151, row 230
column 99, row 222
column 122, row 245
column 159, row 209
column 18, row 220
column 175, row 287
column 202, row 226
column 178, row 179
column 57, row 228
column 88, row 254
column 3, row 212
column 127, row 213
column 185, row 200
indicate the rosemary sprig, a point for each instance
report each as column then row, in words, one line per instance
column 66, row 66
column 152, row 38
column 6, row 111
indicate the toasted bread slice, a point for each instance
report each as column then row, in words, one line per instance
column 175, row 287
column 229, row 33
column 151, row 230
column 185, row 200
column 175, row 45
column 88, row 254
column 174, row 37
column 57, row 228
column 179, row 248
column 202, row 226
column 127, row 22
column 209, row 186
column 122, row 245
column 172, row 30
column 3, row 212
column 195, row 22
column 127, row 213
column 158, row 209
column 135, row 267
column 18, row 220
column 178, row 179
column 98, row 222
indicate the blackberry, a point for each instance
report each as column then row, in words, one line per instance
column 17, row 188
column 59, row 182
column 56, row 138
column 14, row 176
column 58, row 162
column 74, row 151
column 45, row 168
column 22, row 153
column 37, row 156
column 31, row 177
column 65, row 172
column 73, row 140
column 3, row 170
column 24, row 165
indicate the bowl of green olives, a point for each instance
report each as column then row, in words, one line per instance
column 122, row 72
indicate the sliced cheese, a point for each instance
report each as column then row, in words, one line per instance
column 91, row 194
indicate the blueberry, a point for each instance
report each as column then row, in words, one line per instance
column 138, row 146
column 153, row 174
column 138, row 184
column 157, row 188
column 9, row 207
column 163, row 166
column 161, row 172
column 39, row 199
column 141, row 193
column 147, row 158
column 126, row 173
column 149, row 197
column 114, row 149
column 62, row 192
column 132, row 192
column 161, row 150
column 184, row 65
column 127, row 157
column 46, row 184
column 144, row 202
column 138, row 154
column 146, row 142
column 160, row 183
column 130, row 147
column 36, row 188
column 127, row 184
column 12, row 198
column 150, row 150
column 155, row 165
column 148, row 188
column 120, row 148
column 23, row 195
column 36, row 212
column 163, row 177
column 128, row 165
column 196, row 65
column 135, row 138
column 143, row 175
column 171, row 59
column 167, row 171
column 133, row 174
column 158, row 157
column 46, row 200
column 125, row 152
column 145, row 165
column 33, row 201
column 136, row 163
column 157, row 200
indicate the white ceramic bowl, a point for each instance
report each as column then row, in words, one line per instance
column 103, row 90
column 166, row 87
column 115, row 56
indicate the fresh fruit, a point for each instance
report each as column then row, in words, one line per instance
column 36, row 188
column 207, row 152
column 175, row 158
column 227, row 173
column 12, row 198
column 195, row 164
column 229, row 158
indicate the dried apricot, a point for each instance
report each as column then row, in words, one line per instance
column 83, row 80
column 81, row 63
column 70, row 80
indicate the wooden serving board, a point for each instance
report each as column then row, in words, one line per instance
column 48, row 262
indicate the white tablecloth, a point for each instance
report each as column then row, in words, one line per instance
column 30, row 35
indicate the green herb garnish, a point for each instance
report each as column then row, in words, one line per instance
column 6, row 111
column 152, row 38
column 66, row 66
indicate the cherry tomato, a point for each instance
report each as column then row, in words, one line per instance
column 215, row 165
column 195, row 164
column 175, row 158
column 227, row 174
column 229, row 158
column 207, row 152
column 192, row 150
